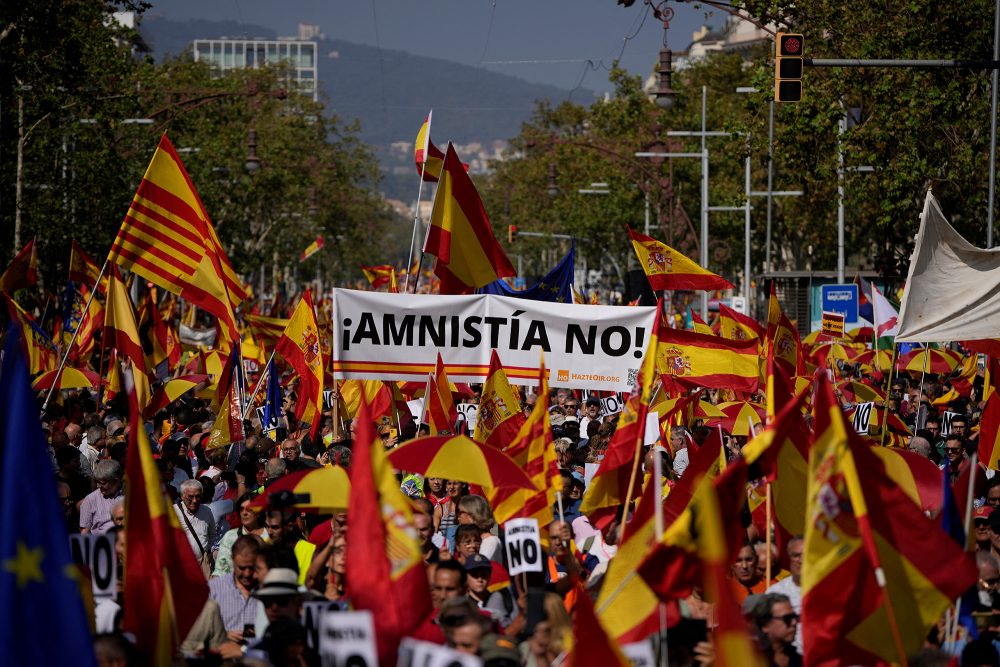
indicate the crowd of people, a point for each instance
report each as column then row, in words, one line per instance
column 264, row 560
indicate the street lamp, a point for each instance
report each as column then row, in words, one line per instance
column 553, row 187
column 252, row 163
column 664, row 94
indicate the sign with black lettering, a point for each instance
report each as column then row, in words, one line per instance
column 347, row 639
column 612, row 405
column 640, row 654
column 524, row 548
column 97, row 554
column 468, row 412
column 862, row 417
column 384, row 336
column 416, row 653
column 312, row 617
column 946, row 419
column 328, row 399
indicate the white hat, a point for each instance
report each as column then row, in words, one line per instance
column 281, row 581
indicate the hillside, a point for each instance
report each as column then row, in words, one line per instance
column 391, row 98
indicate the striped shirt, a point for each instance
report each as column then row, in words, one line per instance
column 95, row 511
column 237, row 611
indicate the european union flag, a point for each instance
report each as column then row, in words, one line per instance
column 555, row 286
column 272, row 404
column 44, row 622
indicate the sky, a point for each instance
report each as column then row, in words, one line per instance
column 543, row 41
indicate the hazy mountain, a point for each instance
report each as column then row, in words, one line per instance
column 390, row 93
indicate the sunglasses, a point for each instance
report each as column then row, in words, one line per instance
column 953, row 450
column 280, row 600
column 787, row 619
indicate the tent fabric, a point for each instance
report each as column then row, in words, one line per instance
column 953, row 288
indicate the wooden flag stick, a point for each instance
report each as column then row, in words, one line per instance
column 767, row 532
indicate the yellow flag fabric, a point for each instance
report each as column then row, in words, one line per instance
column 122, row 331
column 668, row 269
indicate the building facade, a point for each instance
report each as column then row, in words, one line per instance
column 227, row 54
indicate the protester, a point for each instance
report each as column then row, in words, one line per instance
column 250, row 524
column 234, row 592
column 197, row 522
column 776, row 621
column 95, row 510
column 475, row 510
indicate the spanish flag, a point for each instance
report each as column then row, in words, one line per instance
column 300, row 347
column 737, row 326
column 168, row 239
column 426, row 155
column 440, row 412
column 84, row 270
column 609, row 487
column 697, row 360
column 377, row 397
column 460, row 235
column 86, row 322
column 22, row 271
column 122, row 333
column 267, row 330
column 667, row 269
column 500, row 416
column 592, row 645
column 904, row 571
column 532, row 449
column 379, row 275
column 165, row 589
column 783, row 337
column 39, row 349
column 385, row 566
column 989, row 429
column 312, row 249
column 699, row 325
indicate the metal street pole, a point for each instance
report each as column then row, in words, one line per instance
column 646, row 213
column 704, row 197
column 993, row 125
column 770, row 181
column 841, row 128
column 746, row 236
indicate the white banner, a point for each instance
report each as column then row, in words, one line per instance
column 417, row 653
column 385, row 336
column 97, row 554
column 347, row 638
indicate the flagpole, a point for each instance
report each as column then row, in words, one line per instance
column 635, row 466
column 420, row 263
column 658, row 519
column 892, row 369
column 416, row 221
column 767, row 532
column 260, row 381
column 62, row 364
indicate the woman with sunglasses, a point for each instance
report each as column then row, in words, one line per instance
column 250, row 524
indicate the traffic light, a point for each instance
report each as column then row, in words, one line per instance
column 788, row 64
column 511, row 233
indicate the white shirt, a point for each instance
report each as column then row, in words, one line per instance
column 204, row 526
column 681, row 462
column 793, row 592
column 88, row 456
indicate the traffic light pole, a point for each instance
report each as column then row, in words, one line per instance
column 893, row 62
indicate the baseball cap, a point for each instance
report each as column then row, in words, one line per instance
column 477, row 562
column 494, row 647
column 983, row 512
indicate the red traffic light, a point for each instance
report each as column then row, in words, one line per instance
column 790, row 44
column 511, row 233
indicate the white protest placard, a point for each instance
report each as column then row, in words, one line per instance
column 946, row 419
column 385, row 336
column 862, row 417
column 417, row 653
column 328, row 399
column 640, row 654
column 652, row 432
column 97, row 554
column 347, row 639
column 612, row 405
column 524, row 546
column 312, row 617
column 589, row 470
column 468, row 412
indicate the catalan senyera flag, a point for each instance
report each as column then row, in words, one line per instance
column 626, row 604
column 379, row 275
column 989, row 428
column 460, row 235
column 735, row 325
column 165, row 589
column 300, row 346
column 862, row 528
column 532, row 449
column 312, row 248
column 500, row 416
column 166, row 342
column 440, row 412
column 668, row 269
column 22, row 271
column 609, row 486
column 84, row 270
column 168, row 239
column 385, row 565
column 121, row 332
column 267, row 330
column 86, row 322
column 694, row 360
